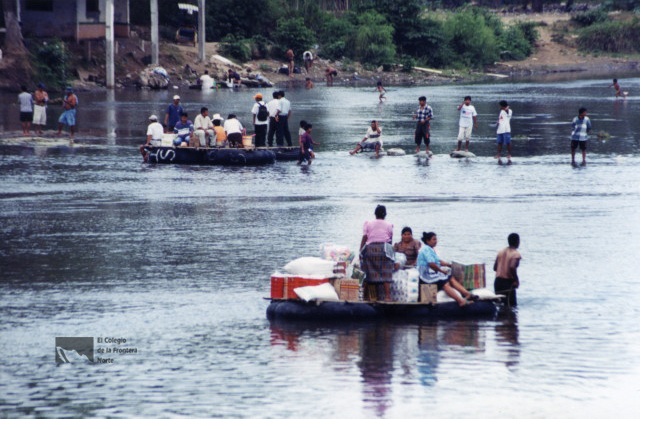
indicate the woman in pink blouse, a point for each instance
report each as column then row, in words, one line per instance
column 376, row 253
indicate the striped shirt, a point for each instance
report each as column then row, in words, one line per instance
column 424, row 113
column 581, row 127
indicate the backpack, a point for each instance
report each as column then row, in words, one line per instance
column 263, row 113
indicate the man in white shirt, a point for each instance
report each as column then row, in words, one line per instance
column 260, row 119
column 154, row 135
column 466, row 122
column 234, row 130
column 282, row 116
column 26, row 109
column 206, row 81
column 203, row 128
column 272, row 107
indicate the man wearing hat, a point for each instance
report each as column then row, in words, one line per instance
column 154, row 135
column 260, row 119
column 68, row 117
column 173, row 114
column 40, row 107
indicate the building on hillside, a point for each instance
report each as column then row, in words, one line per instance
column 72, row 19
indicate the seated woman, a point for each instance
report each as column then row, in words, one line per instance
column 372, row 140
column 219, row 130
column 234, row 130
column 408, row 246
column 431, row 271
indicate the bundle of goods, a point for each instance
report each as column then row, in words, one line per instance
column 304, row 272
column 338, row 253
column 405, row 286
column 471, row 276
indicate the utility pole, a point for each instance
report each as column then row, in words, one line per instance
column 110, row 44
column 201, row 30
column 155, row 37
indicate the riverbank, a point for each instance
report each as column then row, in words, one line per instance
column 552, row 55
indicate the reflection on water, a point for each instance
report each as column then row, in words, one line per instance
column 387, row 355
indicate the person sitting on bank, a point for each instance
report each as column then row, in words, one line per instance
column 372, row 140
column 234, row 130
column 219, row 130
column 408, row 246
column 183, row 131
column 431, row 269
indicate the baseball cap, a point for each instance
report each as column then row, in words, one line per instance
column 153, row 117
column 258, row 96
column 176, row 97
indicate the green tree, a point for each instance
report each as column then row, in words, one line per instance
column 471, row 38
column 374, row 40
column 292, row 33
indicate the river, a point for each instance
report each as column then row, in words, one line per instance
column 170, row 264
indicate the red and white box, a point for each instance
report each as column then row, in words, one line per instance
column 282, row 286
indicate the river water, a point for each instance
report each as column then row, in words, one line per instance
column 171, row 264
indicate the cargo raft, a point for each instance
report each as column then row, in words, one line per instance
column 289, row 309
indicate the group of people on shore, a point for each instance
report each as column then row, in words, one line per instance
column 377, row 260
column 33, row 110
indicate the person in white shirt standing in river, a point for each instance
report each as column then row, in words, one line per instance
column 466, row 122
column 503, row 132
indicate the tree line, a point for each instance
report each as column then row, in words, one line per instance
column 434, row 33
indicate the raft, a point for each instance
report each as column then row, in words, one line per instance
column 289, row 309
column 285, row 153
column 209, row 156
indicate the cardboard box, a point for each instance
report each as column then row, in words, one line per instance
column 349, row 290
column 471, row 276
column 428, row 293
column 282, row 286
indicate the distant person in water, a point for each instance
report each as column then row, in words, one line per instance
column 330, row 74
column 68, row 117
column 503, row 131
column 309, row 84
column 423, row 116
column 306, row 145
column 616, row 86
column 581, row 125
column 381, row 90
column 466, row 122
column 26, row 109
column 505, row 266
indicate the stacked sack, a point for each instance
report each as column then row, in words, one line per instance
column 405, row 286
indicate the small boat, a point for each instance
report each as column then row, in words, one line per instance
column 209, row 156
column 290, row 309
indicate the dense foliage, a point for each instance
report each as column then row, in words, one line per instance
column 51, row 59
column 436, row 33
